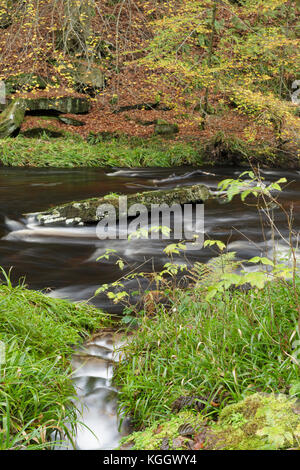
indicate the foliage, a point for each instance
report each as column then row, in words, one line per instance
column 200, row 55
column 246, row 52
column 212, row 339
column 236, row 344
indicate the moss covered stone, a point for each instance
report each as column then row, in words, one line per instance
column 87, row 211
column 26, row 82
column 11, row 118
column 259, row 422
column 165, row 128
column 42, row 132
column 63, row 104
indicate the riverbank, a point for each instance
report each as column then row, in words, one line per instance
column 124, row 151
column 37, row 336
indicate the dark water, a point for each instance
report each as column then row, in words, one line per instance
column 63, row 260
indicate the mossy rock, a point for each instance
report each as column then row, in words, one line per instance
column 87, row 78
column 26, row 82
column 87, row 211
column 165, row 128
column 11, row 118
column 5, row 19
column 61, row 105
column 104, row 136
column 259, row 422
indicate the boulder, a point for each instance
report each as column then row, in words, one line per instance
column 11, row 118
column 61, row 105
column 87, row 78
column 86, row 211
column 165, row 129
column 26, row 82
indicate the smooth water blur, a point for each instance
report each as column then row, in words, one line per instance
column 64, row 259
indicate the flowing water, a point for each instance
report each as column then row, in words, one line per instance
column 63, row 259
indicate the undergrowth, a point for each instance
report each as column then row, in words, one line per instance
column 239, row 343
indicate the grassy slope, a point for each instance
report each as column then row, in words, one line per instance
column 38, row 334
column 220, row 351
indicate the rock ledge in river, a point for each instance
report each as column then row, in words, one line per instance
column 81, row 212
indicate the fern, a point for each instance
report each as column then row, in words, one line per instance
column 204, row 275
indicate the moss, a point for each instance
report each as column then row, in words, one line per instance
column 46, row 132
column 165, row 128
column 87, row 210
column 63, row 104
column 259, row 422
column 152, row 437
column 11, row 118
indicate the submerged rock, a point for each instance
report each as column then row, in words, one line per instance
column 11, row 118
column 86, row 211
column 259, row 422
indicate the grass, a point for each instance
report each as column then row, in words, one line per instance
column 75, row 152
column 123, row 151
column 36, row 392
column 238, row 344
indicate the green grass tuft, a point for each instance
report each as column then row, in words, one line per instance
column 38, row 334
